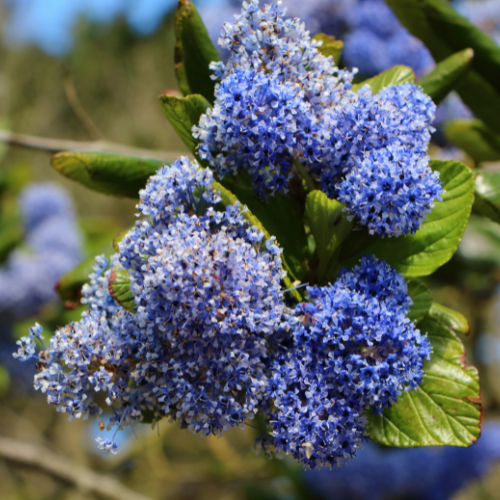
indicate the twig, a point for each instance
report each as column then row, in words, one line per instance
column 73, row 100
column 61, row 468
column 57, row 145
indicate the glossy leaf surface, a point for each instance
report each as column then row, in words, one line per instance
column 444, row 410
column 422, row 300
column 397, row 75
column 487, row 201
column 439, row 82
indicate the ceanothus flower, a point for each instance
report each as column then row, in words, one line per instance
column 353, row 349
column 281, row 102
column 387, row 199
column 207, row 291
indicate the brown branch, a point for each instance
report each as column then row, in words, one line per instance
column 57, row 145
column 59, row 467
column 73, row 100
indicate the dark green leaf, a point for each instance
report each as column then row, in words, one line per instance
column 183, row 113
column 330, row 227
column 475, row 138
column 397, row 75
column 435, row 242
column 108, row 173
column 439, row 82
column 487, row 200
column 281, row 215
column 422, row 300
column 450, row 318
column 331, row 46
column 119, row 288
column 459, row 34
column 194, row 51
column 476, row 92
column 228, row 198
column 444, row 410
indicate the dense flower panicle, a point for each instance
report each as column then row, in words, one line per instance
column 355, row 349
column 388, row 200
column 280, row 101
column 207, row 290
column 53, row 247
column 379, row 473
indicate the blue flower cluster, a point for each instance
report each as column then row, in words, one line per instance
column 53, row 246
column 207, row 293
column 209, row 341
column 354, row 348
column 280, row 101
column 421, row 474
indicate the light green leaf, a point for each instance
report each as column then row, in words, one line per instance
column 437, row 239
column 439, row 82
column 487, row 200
column 193, row 53
column 183, row 113
column 475, row 138
column 116, row 175
column 450, row 318
column 444, row 410
column 119, row 288
column 422, row 300
column 331, row 46
column 397, row 75
column 330, row 227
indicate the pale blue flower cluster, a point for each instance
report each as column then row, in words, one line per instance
column 53, row 246
column 354, row 348
column 209, row 341
column 280, row 101
column 379, row 473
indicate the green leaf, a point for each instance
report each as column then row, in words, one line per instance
column 330, row 47
column 475, row 138
column 119, row 288
column 193, row 53
column 487, row 200
column 397, row 75
column 450, row 318
column 330, row 227
column 435, row 242
column 439, row 82
column 281, row 215
column 476, row 92
column 183, row 113
column 444, row 410
column 228, row 198
column 116, row 175
column 422, row 300
column 459, row 34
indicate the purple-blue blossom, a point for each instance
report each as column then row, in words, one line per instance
column 280, row 101
column 354, row 348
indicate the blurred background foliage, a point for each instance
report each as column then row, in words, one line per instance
column 115, row 73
